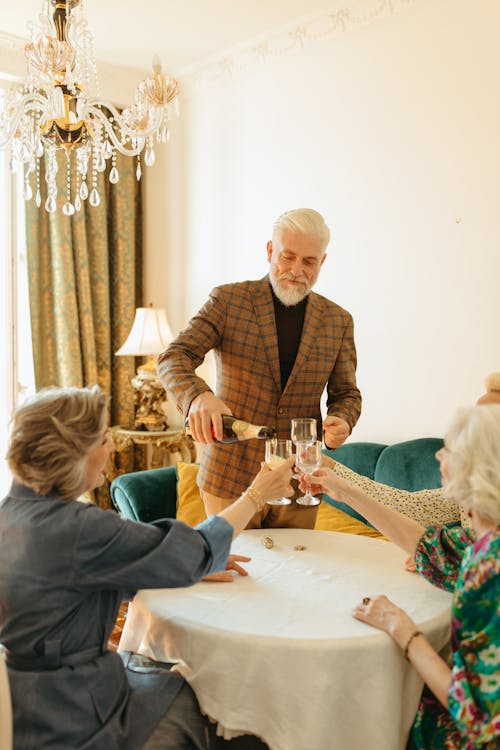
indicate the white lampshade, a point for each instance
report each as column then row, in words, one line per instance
column 150, row 333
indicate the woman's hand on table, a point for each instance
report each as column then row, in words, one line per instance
column 226, row 576
column 410, row 565
column 381, row 613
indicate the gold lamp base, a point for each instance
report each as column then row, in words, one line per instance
column 150, row 399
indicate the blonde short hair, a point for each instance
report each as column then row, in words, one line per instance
column 51, row 438
column 474, row 461
column 307, row 221
column 492, row 382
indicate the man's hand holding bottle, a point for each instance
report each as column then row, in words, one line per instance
column 210, row 420
column 205, row 417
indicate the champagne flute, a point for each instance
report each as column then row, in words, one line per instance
column 308, row 459
column 303, row 430
column 277, row 451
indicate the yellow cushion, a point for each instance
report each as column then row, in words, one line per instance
column 190, row 508
column 333, row 519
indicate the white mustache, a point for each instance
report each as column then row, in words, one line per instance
column 291, row 277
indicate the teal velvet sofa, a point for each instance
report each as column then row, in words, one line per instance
column 411, row 465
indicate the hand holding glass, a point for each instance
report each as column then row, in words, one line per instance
column 278, row 451
column 308, row 459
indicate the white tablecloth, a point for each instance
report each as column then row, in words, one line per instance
column 278, row 654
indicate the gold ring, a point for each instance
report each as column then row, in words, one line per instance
column 366, row 600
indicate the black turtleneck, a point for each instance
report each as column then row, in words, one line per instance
column 289, row 323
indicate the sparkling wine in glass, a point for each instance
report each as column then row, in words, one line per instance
column 307, row 460
column 277, row 451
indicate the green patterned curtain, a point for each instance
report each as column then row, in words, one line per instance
column 85, row 281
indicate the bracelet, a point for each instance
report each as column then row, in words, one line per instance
column 408, row 643
column 256, row 498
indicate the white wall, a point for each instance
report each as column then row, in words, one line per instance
column 391, row 130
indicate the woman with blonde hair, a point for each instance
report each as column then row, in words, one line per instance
column 65, row 566
column 460, row 705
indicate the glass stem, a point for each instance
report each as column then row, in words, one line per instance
column 308, row 485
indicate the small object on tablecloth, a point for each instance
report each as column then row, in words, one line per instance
column 366, row 600
column 300, row 547
column 267, row 541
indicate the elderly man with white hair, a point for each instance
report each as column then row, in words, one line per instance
column 277, row 346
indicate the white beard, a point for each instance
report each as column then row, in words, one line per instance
column 288, row 296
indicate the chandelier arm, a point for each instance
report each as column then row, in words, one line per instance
column 94, row 109
column 98, row 115
column 30, row 102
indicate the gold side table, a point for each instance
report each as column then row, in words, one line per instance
column 149, row 450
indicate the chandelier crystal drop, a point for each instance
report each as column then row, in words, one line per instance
column 60, row 107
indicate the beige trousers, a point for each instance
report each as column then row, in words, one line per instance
column 291, row 516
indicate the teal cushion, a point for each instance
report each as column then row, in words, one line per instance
column 360, row 457
column 411, row 465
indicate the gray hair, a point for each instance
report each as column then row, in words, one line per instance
column 51, row 438
column 307, row 221
column 474, row 462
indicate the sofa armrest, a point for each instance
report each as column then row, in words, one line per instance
column 146, row 495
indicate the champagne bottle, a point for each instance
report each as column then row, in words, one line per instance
column 236, row 429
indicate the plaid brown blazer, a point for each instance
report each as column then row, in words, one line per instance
column 238, row 323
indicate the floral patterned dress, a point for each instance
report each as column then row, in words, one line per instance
column 451, row 559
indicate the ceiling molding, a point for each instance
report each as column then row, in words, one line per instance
column 12, row 60
column 348, row 15
column 341, row 17
column 9, row 41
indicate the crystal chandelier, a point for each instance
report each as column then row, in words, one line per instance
column 59, row 107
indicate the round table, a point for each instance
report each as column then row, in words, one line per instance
column 278, row 654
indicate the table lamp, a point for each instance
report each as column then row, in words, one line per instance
column 150, row 334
